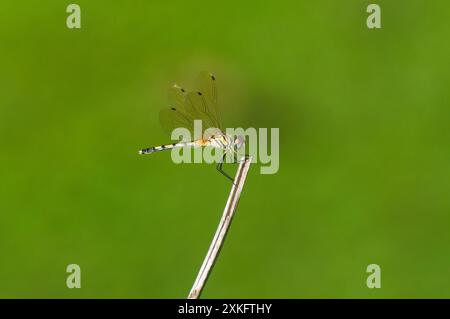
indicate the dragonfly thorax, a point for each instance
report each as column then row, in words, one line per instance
column 227, row 142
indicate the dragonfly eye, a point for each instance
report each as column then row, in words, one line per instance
column 239, row 141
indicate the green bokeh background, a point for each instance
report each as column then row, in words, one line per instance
column 364, row 149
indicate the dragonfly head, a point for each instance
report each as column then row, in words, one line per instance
column 239, row 141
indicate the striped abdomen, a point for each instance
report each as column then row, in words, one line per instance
column 221, row 141
column 164, row 147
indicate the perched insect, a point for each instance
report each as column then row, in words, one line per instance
column 201, row 105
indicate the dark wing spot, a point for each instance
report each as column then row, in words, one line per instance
column 173, row 109
column 213, row 77
column 182, row 90
column 199, row 93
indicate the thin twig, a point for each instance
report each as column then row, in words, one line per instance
column 222, row 229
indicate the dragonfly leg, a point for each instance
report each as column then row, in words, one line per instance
column 221, row 171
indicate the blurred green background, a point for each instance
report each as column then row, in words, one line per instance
column 364, row 149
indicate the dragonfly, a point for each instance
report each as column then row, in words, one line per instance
column 201, row 104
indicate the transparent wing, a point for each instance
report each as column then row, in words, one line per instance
column 206, row 84
column 176, row 97
column 176, row 116
column 173, row 118
column 196, row 105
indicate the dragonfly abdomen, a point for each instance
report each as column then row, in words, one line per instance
column 164, row 147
